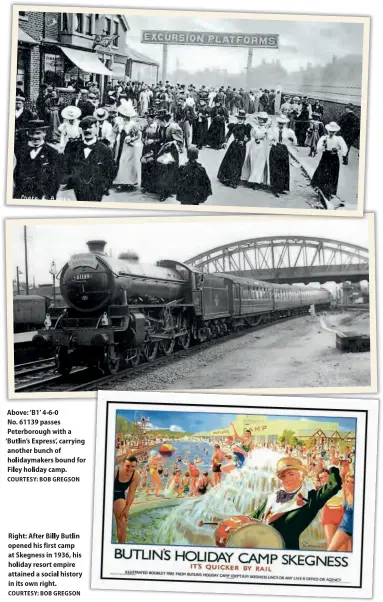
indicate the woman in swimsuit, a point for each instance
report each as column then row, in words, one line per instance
column 154, row 467
column 126, row 480
column 342, row 540
column 247, row 445
column 186, row 482
column 203, row 483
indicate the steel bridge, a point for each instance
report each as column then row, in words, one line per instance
column 288, row 260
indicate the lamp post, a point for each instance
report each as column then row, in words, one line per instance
column 53, row 271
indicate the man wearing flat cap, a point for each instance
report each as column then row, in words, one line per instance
column 37, row 170
column 91, row 171
column 293, row 508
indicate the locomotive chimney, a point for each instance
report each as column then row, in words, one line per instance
column 96, row 246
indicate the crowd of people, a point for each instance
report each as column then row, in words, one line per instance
column 314, row 480
column 134, row 135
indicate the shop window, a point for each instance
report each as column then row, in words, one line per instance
column 88, row 25
column 116, row 33
column 64, row 22
column 80, row 23
column 108, row 26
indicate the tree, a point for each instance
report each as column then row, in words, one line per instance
column 288, row 437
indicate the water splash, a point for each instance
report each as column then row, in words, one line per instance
column 241, row 492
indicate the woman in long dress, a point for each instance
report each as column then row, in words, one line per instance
column 216, row 133
column 326, row 175
column 314, row 132
column 230, row 169
column 70, row 133
column 53, row 107
column 128, row 149
column 280, row 138
column 255, row 167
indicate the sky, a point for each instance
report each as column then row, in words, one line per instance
column 194, row 422
column 299, row 42
column 161, row 239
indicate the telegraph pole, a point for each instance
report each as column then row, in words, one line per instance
column 26, row 261
column 18, row 279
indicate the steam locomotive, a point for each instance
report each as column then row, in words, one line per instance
column 119, row 309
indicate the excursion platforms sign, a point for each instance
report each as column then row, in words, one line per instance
column 210, row 38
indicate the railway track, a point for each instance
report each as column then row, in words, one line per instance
column 38, row 375
column 86, row 381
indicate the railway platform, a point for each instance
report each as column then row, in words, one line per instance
column 348, row 174
column 20, row 338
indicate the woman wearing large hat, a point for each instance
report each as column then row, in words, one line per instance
column 255, row 167
column 127, row 148
column 326, row 175
column 280, row 137
column 70, row 133
column 230, row 169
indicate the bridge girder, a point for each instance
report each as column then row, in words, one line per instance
column 287, row 259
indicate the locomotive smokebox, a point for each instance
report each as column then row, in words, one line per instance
column 97, row 246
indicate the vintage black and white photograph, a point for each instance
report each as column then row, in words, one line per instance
column 270, row 303
column 192, row 110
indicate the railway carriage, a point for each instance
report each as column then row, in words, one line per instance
column 29, row 312
column 122, row 309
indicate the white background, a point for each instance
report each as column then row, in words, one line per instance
column 44, row 511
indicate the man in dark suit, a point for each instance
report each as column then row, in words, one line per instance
column 84, row 104
column 22, row 117
column 90, row 171
column 37, row 170
column 293, row 508
column 349, row 129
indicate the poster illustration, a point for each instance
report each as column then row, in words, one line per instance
column 201, row 491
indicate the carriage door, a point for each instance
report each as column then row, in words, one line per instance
column 236, row 299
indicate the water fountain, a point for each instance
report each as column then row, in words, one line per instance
column 241, row 492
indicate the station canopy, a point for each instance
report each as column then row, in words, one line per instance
column 138, row 57
column 86, row 61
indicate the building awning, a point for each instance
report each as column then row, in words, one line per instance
column 138, row 57
column 119, row 71
column 86, row 61
column 26, row 38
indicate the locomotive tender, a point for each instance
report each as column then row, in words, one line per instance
column 119, row 309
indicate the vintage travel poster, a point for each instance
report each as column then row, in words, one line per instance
column 234, row 493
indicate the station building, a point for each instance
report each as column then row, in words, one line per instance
column 69, row 48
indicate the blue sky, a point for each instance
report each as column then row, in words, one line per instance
column 194, row 422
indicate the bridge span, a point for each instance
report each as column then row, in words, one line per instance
column 288, row 260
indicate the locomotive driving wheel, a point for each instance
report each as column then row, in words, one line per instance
column 167, row 346
column 63, row 361
column 150, row 351
column 184, row 340
column 135, row 357
column 111, row 362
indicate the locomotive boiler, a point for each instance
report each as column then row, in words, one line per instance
column 119, row 309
